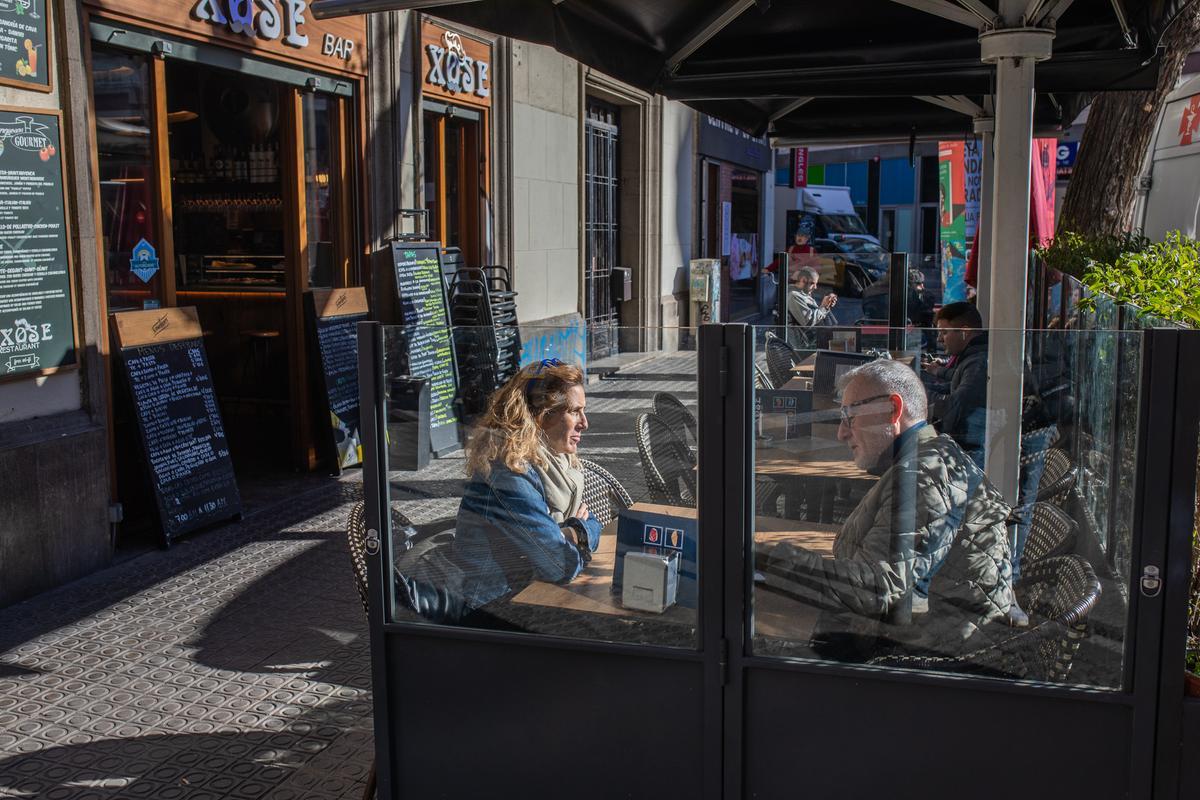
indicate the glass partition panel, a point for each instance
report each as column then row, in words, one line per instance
column 923, row 508
column 571, row 508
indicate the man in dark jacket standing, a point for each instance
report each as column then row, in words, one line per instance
column 922, row 565
column 958, row 394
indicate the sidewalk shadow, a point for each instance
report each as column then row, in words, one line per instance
column 277, row 764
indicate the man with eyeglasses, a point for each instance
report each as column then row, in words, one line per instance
column 922, row 565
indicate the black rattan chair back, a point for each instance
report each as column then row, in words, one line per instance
column 780, row 359
column 1058, row 478
column 1052, row 532
column 677, row 415
column 603, row 493
column 668, row 463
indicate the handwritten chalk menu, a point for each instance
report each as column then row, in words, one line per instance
column 333, row 317
column 37, row 333
column 178, row 419
column 430, row 352
column 24, row 50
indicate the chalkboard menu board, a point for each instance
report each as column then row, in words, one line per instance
column 162, row 351
column 430, row 350
column 24, row 47
column 37, row 331
column 333, row 317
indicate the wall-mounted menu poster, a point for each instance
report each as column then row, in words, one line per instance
column 37, row 330
column 183, row 437
column 333, row 316
column 24, row 47
column 425, row 322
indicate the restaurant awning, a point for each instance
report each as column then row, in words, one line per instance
column 744, row 61
column 802, row 70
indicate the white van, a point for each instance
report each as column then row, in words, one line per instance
column 829, row 211
column 1172, row 166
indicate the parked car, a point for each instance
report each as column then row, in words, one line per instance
column 863, row 251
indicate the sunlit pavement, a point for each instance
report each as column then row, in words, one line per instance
column 236, row 664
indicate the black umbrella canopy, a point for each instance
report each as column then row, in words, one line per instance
column 745, row 61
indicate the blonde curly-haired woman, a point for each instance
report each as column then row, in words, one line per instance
column 522, row 516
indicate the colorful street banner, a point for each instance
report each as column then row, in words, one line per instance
column 959, row 182
column 1044, row 163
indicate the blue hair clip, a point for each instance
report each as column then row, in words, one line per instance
column 546, row 362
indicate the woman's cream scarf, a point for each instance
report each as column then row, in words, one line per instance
column 561, row 482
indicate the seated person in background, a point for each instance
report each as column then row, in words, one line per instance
column 804, row 309
column 958, row 391
column 522, row 516
column 922, row 565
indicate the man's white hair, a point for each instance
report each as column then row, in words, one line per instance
column 892, row 377
column 810, row 272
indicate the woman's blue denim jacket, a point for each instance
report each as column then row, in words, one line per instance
column 506, row 538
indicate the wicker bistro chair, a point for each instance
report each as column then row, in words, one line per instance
column 356, row 534
column 1058, row 478
column 1052, row 532
column 604, row 494
column 1058, row 593
column 780, row 359
column 669, row 464
column 761, row 379
column 677, row 415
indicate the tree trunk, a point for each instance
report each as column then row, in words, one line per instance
column 1101, row 192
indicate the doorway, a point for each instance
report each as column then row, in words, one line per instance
column 455, row 178
column 243, row 182
column 602, row 225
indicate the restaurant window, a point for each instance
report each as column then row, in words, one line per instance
column 121, row 84
column 226, row 178
column 454, row 176
column 319, row 122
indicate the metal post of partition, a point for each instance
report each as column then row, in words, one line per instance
column 373, row 427
column 713, row 506
column 1148, row 602
column 737, row 488
column 1184, row 426
column 898, row 300
column 783, row 276
column 1114, row 459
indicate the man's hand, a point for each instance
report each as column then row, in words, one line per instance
column 829, row 301
column 582, row 512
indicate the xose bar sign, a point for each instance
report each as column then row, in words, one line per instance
column 264, row 19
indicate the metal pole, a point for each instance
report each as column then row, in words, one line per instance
column 898, row 301
column 1014, row 51
column 984, row 128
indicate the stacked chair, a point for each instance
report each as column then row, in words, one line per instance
column 483, row 311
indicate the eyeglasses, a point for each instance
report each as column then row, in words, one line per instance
column 848, row 418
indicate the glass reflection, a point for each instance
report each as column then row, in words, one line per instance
column 569, row 511
column 908, row 519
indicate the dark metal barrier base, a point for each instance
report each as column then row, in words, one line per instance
column 478, row 719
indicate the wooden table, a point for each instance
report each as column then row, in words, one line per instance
column 774, row 614
column 810, row 468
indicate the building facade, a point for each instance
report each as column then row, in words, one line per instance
column 230, row 157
